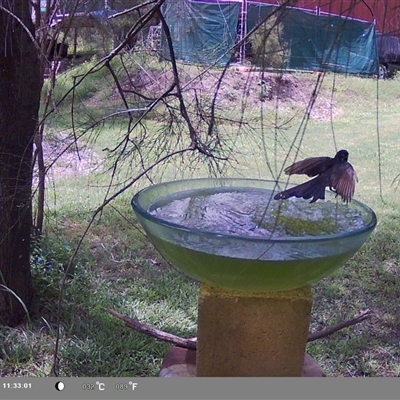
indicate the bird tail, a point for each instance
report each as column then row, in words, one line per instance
column 314, row 188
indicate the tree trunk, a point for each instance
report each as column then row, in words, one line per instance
column 20, row 87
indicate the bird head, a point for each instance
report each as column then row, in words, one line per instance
column 342, row 155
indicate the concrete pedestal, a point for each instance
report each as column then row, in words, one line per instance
column 252, row 334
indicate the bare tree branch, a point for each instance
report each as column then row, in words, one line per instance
column 363, row 315
column 129, row 10
column 156, row 333
column 192, row 344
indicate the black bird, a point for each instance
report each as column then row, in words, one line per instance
column 336, row 173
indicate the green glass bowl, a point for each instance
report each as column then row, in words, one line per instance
column 266, row 265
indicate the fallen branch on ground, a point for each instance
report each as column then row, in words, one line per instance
column 361, row 316
column 156, row 333
column 192, row 344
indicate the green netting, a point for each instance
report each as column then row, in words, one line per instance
column 257, row 13
column 202, row 33
column 330, row 43
column 323, row 43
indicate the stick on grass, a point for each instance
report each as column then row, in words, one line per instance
column 192, row 344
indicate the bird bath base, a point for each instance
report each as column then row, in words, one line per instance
column 181, row 363
column 252, row 334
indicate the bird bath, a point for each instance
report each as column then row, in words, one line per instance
column 255, row 258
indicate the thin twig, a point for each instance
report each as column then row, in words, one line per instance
column 129, row 10
column 156, row 333
column 192, row 344
column 341, row 325
column 83, row 236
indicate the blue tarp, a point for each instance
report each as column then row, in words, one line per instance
column 206, row 31
column 201, row 32
column 323, row 42
column 330, row 43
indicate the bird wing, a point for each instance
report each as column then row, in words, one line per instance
column 343, row 180
column 310, row 166
column 314, row 188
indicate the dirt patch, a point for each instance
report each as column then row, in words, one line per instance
column 64, row 159
column 238, row 86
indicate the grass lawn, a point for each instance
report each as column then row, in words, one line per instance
column 118, row 268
